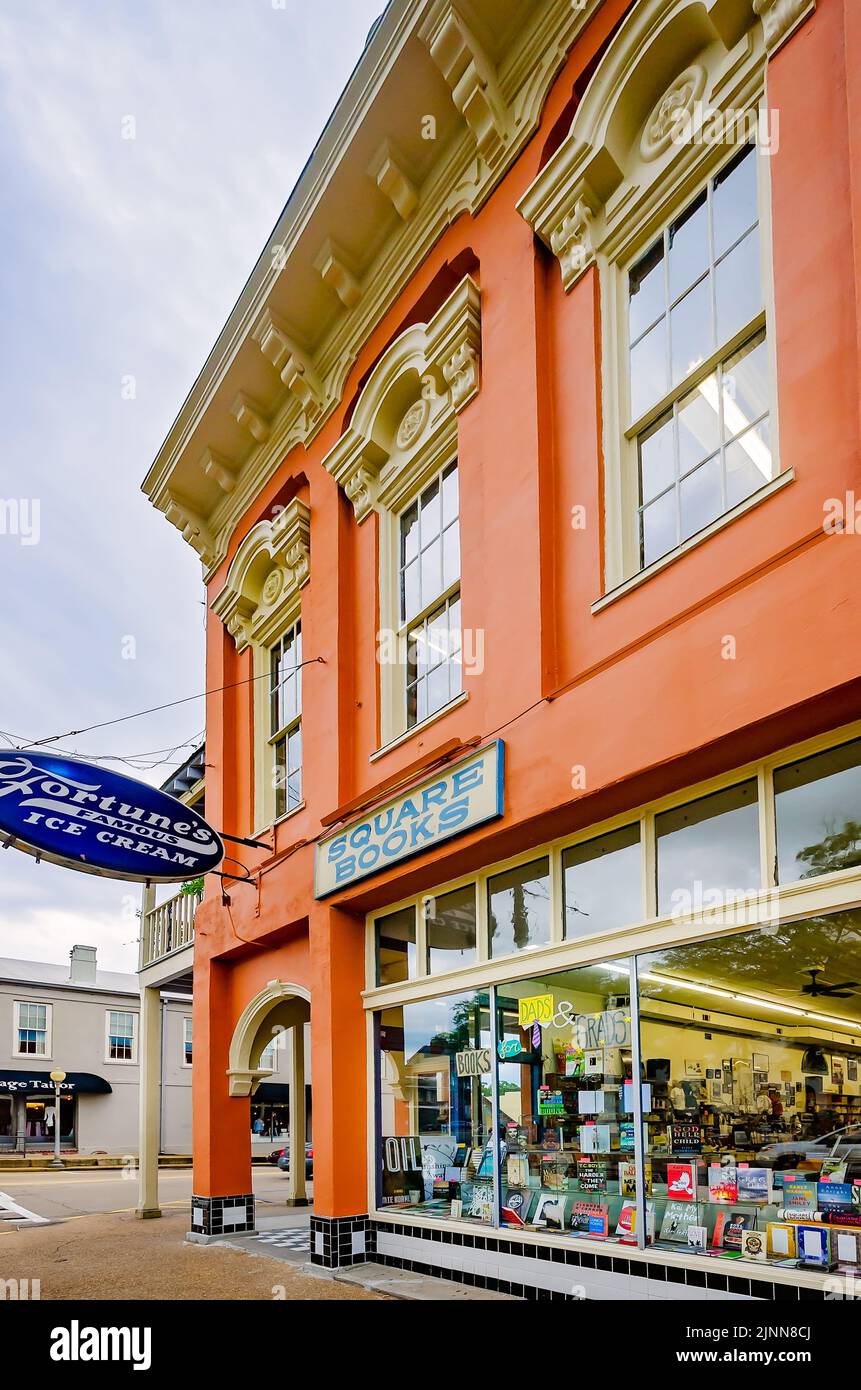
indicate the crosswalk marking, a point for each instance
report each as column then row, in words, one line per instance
column 12, row 1212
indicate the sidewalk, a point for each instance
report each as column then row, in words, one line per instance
column 118, row 1257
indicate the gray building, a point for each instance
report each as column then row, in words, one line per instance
column 86, row 1022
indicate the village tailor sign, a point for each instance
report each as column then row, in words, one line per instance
column 452, row 801
column 99, row 822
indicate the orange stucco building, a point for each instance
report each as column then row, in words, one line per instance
column 474, row 319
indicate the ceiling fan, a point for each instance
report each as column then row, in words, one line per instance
column 843, row 990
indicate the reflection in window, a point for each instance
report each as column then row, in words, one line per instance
column 603, row 882
column 396, row 947
column 693, row 293
column 435, row 1077
column 708, row 850
column 749, row 1108
column 565, row 1103
column 818, row 809
column 519, row 908
column 450, row 921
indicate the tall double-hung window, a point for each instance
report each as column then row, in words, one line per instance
column 429, row 596
column 698, row 363
column 285, row 720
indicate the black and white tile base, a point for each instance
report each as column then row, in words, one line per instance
column 288, row 1238
column 222, row 1216
column 337, row 1241
column 549, row 1272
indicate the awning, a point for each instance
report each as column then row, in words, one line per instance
column 32, row 1082
column 275, row 1092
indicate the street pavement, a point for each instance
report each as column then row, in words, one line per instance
column 82, row 1192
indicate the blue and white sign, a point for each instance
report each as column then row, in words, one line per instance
column 99, row 822
column 449, row 803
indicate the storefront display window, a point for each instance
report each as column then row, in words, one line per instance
column 6, row 1120
column 818, row 809
column 396, row 947
column 754, row 1109
column 451, row 930
column 707, row 848
column 565, row 1103
column 603, row 882
column 435, row 1088
column 518, row 908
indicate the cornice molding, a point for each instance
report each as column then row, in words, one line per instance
column 460, row 179
column 625, row 139
column 780, row 18
column 423, row 380
column 265, row 576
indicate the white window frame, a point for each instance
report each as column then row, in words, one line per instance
column 121, row 1061
column 187, row 1038
column 622, row 174
column 622, row 471
column 18, row 1004
column 264, row 737
column 402, row 433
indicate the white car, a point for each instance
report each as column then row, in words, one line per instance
column 843, row 1144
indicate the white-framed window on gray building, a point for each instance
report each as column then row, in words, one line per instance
column 121, row 1036
column 32, row 1030
column 187, row 1051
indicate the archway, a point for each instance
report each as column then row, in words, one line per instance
column 282, row 1008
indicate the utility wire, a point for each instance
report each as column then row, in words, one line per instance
column 155, row 709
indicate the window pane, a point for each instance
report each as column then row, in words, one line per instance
column 738, row 291
column 603, row 882
column 435, row 1139
column 396, row 947
column 734, row 201
column 745, row 386
column 657, row 463
column 279, row 775
column 410, row 597
column 431, row 563
column 565, row 1059
column 451, row 935
column 659, row 527
column 519, row 908
column 818, row 808
column 450, row 556
column 430, row 505
column 437, row 688
column 646, row 291
column 409, row 534
column 689, row 247
column 450, row 502
column 700, row 498
column 699, row 425
column 709, row 846
column 691, row 331
column 748, row 464
column 649, row 370
column 743, row 1118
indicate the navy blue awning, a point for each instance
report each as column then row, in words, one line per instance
column 27, row 1083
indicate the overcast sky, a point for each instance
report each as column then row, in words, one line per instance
column 121, row 258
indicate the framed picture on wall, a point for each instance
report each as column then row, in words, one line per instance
column 760, row 1061
column 838, row 1075
column 851, row 1069
column 693, row 1068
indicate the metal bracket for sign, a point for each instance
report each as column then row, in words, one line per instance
column 238, row 840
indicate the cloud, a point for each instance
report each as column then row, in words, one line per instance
column 122, row 257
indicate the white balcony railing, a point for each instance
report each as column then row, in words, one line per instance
column 169, row 927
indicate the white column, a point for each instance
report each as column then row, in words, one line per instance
column 298, row 1196
column 150, row 1108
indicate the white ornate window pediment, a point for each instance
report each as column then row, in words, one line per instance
column 265, row 576
column 406, row 415
column 674, row 67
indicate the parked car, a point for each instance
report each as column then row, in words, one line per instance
column 275, row 1155
column 844, row 1144
column 284, row 1161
